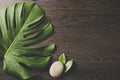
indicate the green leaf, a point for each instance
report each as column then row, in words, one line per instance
column 68, row 65
column 21, row 25
column 62, row 58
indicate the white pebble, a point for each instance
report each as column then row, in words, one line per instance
column 56, row 69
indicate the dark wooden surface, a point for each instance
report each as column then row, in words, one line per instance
column 87, row 31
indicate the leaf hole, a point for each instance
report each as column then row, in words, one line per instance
column 36, row 24
column 25, row 66
column 6, row 18
column 31, row 35
column 1, row 33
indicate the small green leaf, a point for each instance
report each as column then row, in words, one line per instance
column 68, row 65
column 62, row 58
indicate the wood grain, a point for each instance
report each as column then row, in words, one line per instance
column 87, row 31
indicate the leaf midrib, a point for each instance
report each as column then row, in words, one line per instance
column 17, row 34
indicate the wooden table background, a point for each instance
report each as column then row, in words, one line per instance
column 87, row 31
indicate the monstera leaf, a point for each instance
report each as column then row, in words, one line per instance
column 17, row 23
